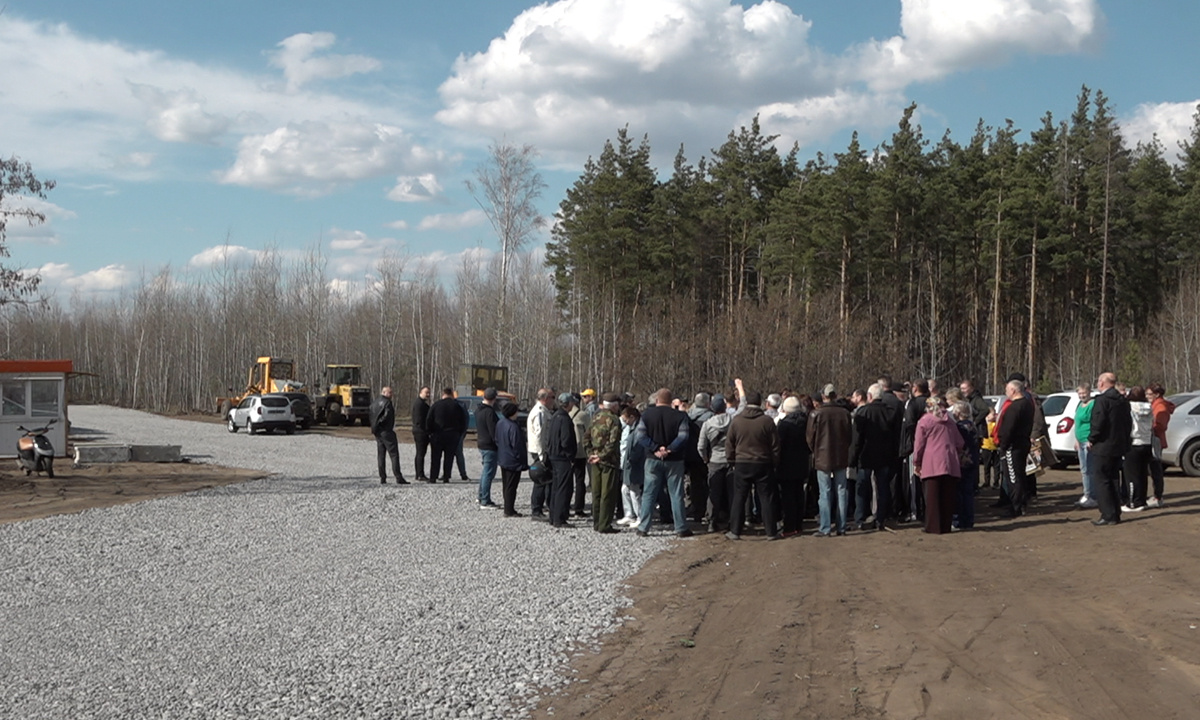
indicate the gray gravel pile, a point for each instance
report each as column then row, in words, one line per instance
column 314, row 593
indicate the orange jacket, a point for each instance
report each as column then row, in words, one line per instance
column 1162, row 409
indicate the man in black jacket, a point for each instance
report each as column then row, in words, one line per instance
column 1014, row 429
column 383, row 427
column 561, row 447
column 874, row 453
column 446, row 424
column 1108, row 442
column 895, row 406
column 910, row 484
column 420, row 412
column 485, row 440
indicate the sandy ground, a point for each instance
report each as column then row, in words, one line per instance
column 1042, row 617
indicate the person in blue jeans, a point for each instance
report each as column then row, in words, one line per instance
column 663, row 433
column 829, row 436
column 874, row 452
column 485, row 440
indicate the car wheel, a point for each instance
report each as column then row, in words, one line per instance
column 291, row 430
column 333, row 414
column 251, row 428
column 305, row 424
column 1189, row 459
column 231, row 425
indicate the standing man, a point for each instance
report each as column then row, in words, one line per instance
column 1108, row 441
column 420, row 413
column 979, row 407
column 383, row 427
column 510, row 456
column 445, row 424
column 1014, row 429
column 580, row 421
column 696, row 480
column 485, row 439
column 829, row 429
column 712, row 450
column 588, row 399
column 561, row 448
column 874, row 454
column 534, row 424
column 914, row 410
column 752, row 449
column 663, row 432
column 604, row 455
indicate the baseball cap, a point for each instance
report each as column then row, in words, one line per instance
column 589, row 393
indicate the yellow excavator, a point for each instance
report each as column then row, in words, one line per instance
column 341, row 397
column 267, row 375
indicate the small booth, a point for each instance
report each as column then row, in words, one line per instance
column 34, row 392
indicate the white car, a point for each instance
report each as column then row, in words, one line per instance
column 1059, row 409
column 1183, row 433
column 268, row 412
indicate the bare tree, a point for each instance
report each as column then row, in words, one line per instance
column 507, row 188
column 17, row 179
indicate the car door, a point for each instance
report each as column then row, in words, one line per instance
column 241, row 413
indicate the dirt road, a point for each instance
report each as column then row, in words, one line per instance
column 1041, row 617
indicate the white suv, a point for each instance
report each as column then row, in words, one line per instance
column 1059, row 409
column 268, row 412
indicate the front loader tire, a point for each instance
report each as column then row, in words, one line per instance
column 333, row 414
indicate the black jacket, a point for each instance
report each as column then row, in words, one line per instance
column 979, row 412
column 420, row 413
column 794, row 453
column 1112, row 424
column 560, row 440
column 875, row 444
column 485, row 427
column 1016, row 425
column 383, row 416
column 446, row 416
column 895, row 416
column 914, row 410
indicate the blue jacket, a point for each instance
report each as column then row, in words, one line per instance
column 510, row 445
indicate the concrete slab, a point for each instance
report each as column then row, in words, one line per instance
column 94, row 454
column 156, row 453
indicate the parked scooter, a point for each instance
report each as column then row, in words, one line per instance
column 34, row 451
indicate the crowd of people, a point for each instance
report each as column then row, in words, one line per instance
column 881, row 457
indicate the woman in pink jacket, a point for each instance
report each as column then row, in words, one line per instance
column 935, row 459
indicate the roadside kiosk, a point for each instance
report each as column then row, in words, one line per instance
column 34, row 392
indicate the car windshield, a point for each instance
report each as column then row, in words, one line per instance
column 345, row 376
column 1055, row 404
column 275, row 401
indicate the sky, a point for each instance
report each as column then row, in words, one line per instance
column 191, row 135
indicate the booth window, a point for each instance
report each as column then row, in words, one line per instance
column 14, row 397
column 44, row 397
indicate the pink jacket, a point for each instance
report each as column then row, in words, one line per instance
column 936, row 448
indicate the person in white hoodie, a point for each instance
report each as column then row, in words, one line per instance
column 1137, row 460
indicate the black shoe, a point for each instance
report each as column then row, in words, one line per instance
column 423, row 478
column 684, row 533
column 402, row 481
column 642, row 533
column 383, row 481
column 537, row 514
column 446, row 480
column 562, row 525
column 464, row 478
column 608, row 530
column 776, row 536
column 514, row 513
column 1102, row 522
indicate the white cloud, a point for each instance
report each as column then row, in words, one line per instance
column 452, row 221
column 86, row 105
column 419, row 188
column 398, row 225
column 18, row 229
column 941, row 37
column 296, row 59
column 569, row 72
column 107, row 278
column 314, row 158
column 55, row 272
column 1172, row 122
column 179, row 115
column 233, row 255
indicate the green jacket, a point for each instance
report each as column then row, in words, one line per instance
column 1083, row 422
column 604, row 438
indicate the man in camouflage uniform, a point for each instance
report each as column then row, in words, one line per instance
column 604, row 455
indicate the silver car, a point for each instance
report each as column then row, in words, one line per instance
column 1183, row 433
column 268, row 412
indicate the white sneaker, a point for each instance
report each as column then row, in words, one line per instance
column 1154, row 503
column 1082, row 501
column 1087, row 502
column 625, row 521
column 1130, row 508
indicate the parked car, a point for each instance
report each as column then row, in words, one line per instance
column 269, row 412
column 302, row 408
column 1059, row 409
column 1183, row 433
column 470, row 403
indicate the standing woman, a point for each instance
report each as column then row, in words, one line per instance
column 936, row 447
column 633, row 467
column 510, row 456
column 794, row 461
column 1137, row 459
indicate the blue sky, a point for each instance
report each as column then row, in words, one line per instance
column 183, row 134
